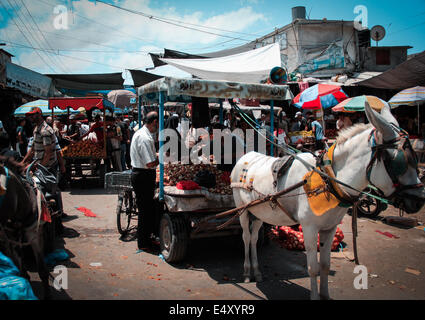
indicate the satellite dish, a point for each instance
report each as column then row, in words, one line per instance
column 377, row 33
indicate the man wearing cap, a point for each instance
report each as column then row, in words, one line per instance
column 300, row 123
column 144, row 161
column 43, row 148
column 73, row 131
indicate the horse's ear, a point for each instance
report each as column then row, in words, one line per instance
column 380, row 123
column 386, row 113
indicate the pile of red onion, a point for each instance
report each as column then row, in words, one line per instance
column 292, row 238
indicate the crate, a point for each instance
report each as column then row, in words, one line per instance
column 118, row 180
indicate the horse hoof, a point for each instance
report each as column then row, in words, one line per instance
column 247, row 280
column 259, row 278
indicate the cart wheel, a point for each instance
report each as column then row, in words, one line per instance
column 370, row 207
column 124, row 211
column 174, row 237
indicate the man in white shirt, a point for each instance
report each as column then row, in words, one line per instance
column 144, row 161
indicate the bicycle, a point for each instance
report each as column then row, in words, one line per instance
column 126, row 210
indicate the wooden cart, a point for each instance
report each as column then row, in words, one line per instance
column 85, row 166
column 184, row 216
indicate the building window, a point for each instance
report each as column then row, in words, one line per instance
column 383, row 57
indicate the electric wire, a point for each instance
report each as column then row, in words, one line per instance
column 42, row 34
column 23, row 33
column 168, row 21
column 16, row 10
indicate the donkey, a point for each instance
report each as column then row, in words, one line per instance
column 19, row 223
column 354, row 164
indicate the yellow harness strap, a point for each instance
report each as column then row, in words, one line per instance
column 319, row 197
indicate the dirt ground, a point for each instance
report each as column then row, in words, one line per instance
column 213, row 267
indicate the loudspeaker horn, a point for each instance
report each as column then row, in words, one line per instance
column 278, row 75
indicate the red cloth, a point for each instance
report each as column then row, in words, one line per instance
column 187, row 185
column 45, row 213
column 87, row 212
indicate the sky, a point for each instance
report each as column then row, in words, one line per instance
column 88, row 36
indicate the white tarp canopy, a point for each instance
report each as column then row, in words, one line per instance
column 252, row 66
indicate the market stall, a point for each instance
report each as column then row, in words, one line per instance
column 85, row 158
column 183, row 202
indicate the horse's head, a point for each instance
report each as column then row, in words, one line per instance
column 394, row 167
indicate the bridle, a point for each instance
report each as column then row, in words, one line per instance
column 396, row 164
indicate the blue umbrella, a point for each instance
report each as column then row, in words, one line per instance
column 43, row 105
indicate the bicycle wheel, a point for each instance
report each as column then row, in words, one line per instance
column 124, row 211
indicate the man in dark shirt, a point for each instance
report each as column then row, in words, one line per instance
column 125, row 141
column 300, row 123
column 73, row 131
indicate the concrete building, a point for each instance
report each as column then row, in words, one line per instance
column 325, row 48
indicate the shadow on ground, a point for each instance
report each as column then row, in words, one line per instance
column 223, row 258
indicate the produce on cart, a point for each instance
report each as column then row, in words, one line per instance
column 84, row 149
column 176, row 173
column 297, row 137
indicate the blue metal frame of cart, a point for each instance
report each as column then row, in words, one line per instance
column 170, row 89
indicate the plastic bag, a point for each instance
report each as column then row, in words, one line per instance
column 58, row 255
column 7, row 267
column 205, row 178
column 16, row 288
column 46, row 179
column 13, row 287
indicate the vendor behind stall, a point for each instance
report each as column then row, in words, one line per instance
column 318, row 133
column 300, row 123
column 97, row 128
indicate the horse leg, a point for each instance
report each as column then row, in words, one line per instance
column 255, row 227
column 246, row 236
column 310, row 242
column 326, row 238
column 43, row 272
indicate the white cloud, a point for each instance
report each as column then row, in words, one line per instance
column 119, row 31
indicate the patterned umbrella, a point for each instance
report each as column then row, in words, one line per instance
column 320, row 96
column 357, row 104
column 410, row 97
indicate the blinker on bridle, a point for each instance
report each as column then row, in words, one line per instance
column 396, row 164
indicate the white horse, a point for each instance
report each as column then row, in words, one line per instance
column 352, row 155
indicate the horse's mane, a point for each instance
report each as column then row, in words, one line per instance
column 348, row 133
